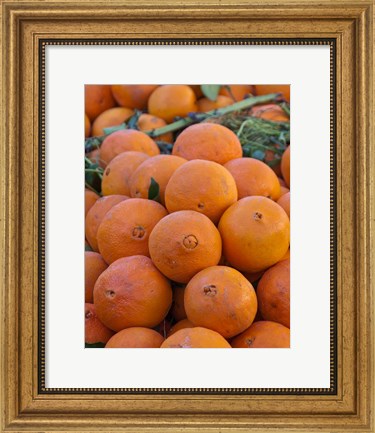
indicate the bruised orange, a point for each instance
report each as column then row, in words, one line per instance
column 94, row 266
column 191, row 338
column 112, row 117
column 133, row 95
column 135, row 337
column 98, row 98
column 263, row 334
column 95, row 330
column 147, row 122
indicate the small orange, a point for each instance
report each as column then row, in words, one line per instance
column 160, row 168
column 209, row 141
column 266, row 89
column 96, row 215
column 95, row 331
column 237, row 91
column 94, row 266
column 222, row 299
column 118, row 172
column 273, row 293
column 191, row 338
column 285, row 166
column 132, row 292
column 136, row 337
column 202, row 186
column 255, row 233
column 132, row 95
column 87, row 126
column 125, row 229
column 112, row 117
column 284, row 202
column 98, row 98
column 270, row 112
column 125, row 140
column 147, row 122
column 182, row 324
column 183, row 243
column 172, row 100
column 254, row 177
column 178, row 308
column 205, row 104
column 90, row 199
column 263, row 334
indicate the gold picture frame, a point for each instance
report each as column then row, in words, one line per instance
column 26, row 25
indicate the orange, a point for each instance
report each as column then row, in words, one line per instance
column 254, row 177
column 255, row 233
column 197, row 90
column 95, row 331
column 263, row 334
column 133, row 96
column 182, row 324
column 285, row 166
column 90, row 199
column 136, row 337
column 94, row 266
column 237, row 91
column 160, row 168
column 117, row 173
column 191, row 338
column 178, row 308
column 96, row 215
column 222, row 299
column 205, row 104
column 87, row 126
column 132, row 292
column 125, row 140
column 183, row 243
column 209, row 141
column 266, row 89
column 94, row 156
column 172, row 100
column 273, row 293
column 147, row 122
column 284, row 202
column 112, row 117
column 202, row 186
column 270, row 112
column 283, row 190
column 287, row 255
column 282, row 182
column 125, row 229
column 98, row 98
column 252, row 276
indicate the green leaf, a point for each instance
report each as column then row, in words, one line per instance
column 88, row 248
column 94, row 345
column 153, row 191
column 211, row 91
column 258, row 154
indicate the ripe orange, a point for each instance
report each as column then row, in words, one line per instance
column 160, row 168
column 96, row 215
column 266, row 89
column 183, row 243
column 254, row 177
column 287, row 255
column 95, row 331
column 222, row 299
column 98, row 98
column 252, row 276
column 178, row 308
column 133, row 96
column 172, row 100
column 285, row 166
column 90, row 199
column 125, row 229
column 132, row 292
column 94, row 266
column 125, row 140
column 182, row 324
column 136, row 337
column 283, row 190
column 147, row 122
column 205, row 104
column 282, row 182
column 273, row 293
column 191, row 338
column 209, row 141
column 112, row 117
column 87, row 126
column 284, row 202
column 255, row 233
column 238, row 91
column 117, row 173
column 270, row 112
column 263, row 334
column 202, row 186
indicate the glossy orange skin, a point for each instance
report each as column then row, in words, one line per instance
column 94, row 266
column 96, row 215
column 239, row 91
column 183, row 243
column 182, row 324
column 172, row 100
column 254, row 177
column 266, row 89
column 95, row 331
column 147, row 122
column 273, row 293
column 178, row 308
column 112, row 117
column 285, row 166
column 87, row 126
column 284, row 202
column 132, row 292
column 192, row 338
column 135, row 337
column 160, row 168
column 203, row 186
column 125, row 229
column 205, row 104
column 118, row 172
column 270, row 112
column 133, row 95
column 209, row 141
column 255, row 233
column 125, row 140
column 98, row 98
column 90, row 199
column 222, row 299
column 263, row 334
column 287, row 255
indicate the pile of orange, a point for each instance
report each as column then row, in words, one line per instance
column 187, row 249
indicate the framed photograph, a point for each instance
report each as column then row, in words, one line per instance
column 194, row 176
